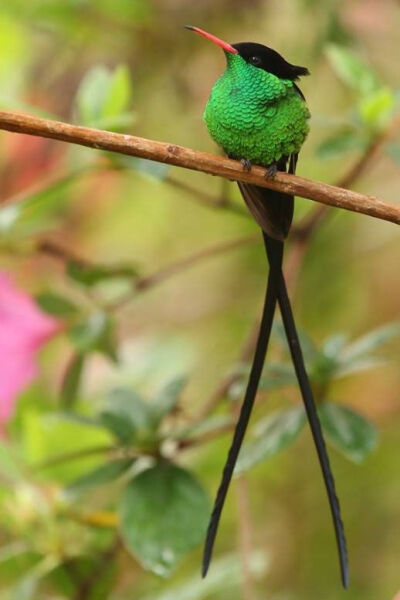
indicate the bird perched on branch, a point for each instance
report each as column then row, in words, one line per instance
column 258, row 115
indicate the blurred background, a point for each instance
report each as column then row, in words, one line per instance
column 129, row 296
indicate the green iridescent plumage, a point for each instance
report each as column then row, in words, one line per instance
column 255, row 115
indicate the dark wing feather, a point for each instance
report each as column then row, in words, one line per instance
column 272, row 210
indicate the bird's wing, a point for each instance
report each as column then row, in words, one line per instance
column 272, row 210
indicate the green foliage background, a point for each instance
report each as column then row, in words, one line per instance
column 107, row 474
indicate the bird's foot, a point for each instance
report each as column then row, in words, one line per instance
column 271, row 171
column 246, row 164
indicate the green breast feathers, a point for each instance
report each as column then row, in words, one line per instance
column 254, row 115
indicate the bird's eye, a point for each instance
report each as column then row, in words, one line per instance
column 255, row 60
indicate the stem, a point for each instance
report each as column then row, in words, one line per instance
column 76, row 455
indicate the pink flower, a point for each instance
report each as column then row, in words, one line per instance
column 24, row 328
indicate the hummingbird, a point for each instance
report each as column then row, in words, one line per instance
column 258, row 115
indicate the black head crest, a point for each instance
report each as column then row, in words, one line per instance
column 265, row 58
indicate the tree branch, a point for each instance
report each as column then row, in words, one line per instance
column 199, row 161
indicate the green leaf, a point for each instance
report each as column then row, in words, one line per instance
column 273, row 434
column 118, row 97
column 71, row 380
column 376, row 109
column 148, row 168
column 36, row 212
column 96, row 333
column 308, row 346
column 84, row 568
column 225, row 575
column 46, row 436
column 340, row 143
column 56, row 305
column 277, row 376
column 163, row 514
column 348, row 431
column 351, row 69
column 334, row 344
column 126, row 415
column 208, row 425
column 10, row 467
column 167, row 399
column 89, row 275
column 16, row 559
column 90, row 95
column 369, row 342
column 104, row 98
column 100, row 476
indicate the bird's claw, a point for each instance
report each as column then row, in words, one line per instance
column 271, row 171
column 246, row 164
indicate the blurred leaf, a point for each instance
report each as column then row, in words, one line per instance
column 96, row 333
column 56, row 305
column 9, row 464
column 334, row 344
column 46, row 436
column 370, row 342
column 225, row 575
column 340, row 143
column 99, row 476
column 203, row 427
column 116, row 424
column 345, row 368
column 323, row 369
column 71, row 380
column 353, row 71
column 164, row 513
column 126, row 414
column 347, row 430
column 28, row 584
column 308, row 346
column 277, row 376
column 148, row 168
column 15, row 560
column 104, row 97
column 167, row 399
column 90, row 275
column 25, row 589
column 83, row 568
column 119, row 93
column 376, row 109
column 273, row 434
column 37, row 211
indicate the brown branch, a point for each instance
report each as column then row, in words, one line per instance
column 199, row 161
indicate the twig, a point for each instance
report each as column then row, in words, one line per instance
column 199, row 161
column 211, row 251
column 75, row 455
column 207, row 199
